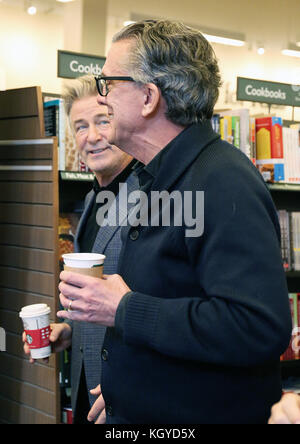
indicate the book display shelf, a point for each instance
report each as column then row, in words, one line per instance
column 34, row 197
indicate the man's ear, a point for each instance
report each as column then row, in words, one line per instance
column 151, row 99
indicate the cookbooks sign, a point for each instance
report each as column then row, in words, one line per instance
column 72, row 64
column 268, row 92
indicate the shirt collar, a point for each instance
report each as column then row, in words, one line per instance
column 114, row 185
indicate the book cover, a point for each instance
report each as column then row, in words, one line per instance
column 252, row 139
column 269, row 148
column 287, row 155
column 284, row 221
column 236, row 130
column 292, row 352
column 295, row 239
column 215, row 122
column 224, row 128
column 229, row 129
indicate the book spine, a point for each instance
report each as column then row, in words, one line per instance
column 276, row 138
column 252, row 137
column 236, row 131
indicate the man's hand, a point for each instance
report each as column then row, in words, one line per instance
column 91, row 299
column 98, row 408
column 60, row 337
column 286, row 411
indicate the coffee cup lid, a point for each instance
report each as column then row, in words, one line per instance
column 34, row 310
column 83, row 260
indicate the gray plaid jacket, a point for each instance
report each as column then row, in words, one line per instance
column 87, row 339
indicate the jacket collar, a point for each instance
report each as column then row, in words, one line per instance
column 179, row 154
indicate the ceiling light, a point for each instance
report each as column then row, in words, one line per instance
column 128, row 22
column 261, row 50
column 221, row 36
column 64, row 1
column 31, row 10
column 213, row 35
column 223, row 40
column 292, row 50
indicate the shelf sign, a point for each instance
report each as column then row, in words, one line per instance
column 72, row 64
column 268, row 92
column 77, row 175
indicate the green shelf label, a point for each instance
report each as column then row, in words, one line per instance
column 268, row 92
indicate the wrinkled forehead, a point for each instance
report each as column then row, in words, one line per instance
column 117, row 60
column 87, row 107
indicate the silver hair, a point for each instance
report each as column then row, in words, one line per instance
column 78, row 88
column 180, row 61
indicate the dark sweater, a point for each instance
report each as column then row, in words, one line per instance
column 199, row 337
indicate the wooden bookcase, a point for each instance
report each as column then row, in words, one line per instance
column 29, row 270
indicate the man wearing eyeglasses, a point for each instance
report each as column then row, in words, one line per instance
column 196, row 324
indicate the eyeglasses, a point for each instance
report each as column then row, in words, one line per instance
column 102, row 85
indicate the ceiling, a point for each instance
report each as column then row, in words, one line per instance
column 43, row 6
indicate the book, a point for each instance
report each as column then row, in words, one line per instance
column 242, row 139
column 269, row 148
column 284, row 221
column 291, row 155
column 215, row 122
column 229, row 136
column 235, row 124
column 55, row 122
column 292, row 351
column 252, row 140
column 295, row 239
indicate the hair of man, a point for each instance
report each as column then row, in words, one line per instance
column 78, row 88
column 178, row 60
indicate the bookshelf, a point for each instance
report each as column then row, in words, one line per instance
column 28, row 274
column 34, row 184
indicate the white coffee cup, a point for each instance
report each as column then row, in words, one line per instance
column 84, row 263
column 37, row 328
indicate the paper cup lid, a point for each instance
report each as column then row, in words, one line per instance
column 34, row 310
column 83, row 260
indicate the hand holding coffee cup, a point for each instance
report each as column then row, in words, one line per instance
column 89, row 264
column 87, row 298
column 60, row 339
column 37, row 329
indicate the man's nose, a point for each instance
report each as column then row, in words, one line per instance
column 94, row 135
column 102, row 100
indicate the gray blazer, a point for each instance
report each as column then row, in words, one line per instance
column 87, row 338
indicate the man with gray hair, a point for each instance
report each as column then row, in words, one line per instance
column 197, row 324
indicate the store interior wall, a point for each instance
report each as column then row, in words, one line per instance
column 29, row 44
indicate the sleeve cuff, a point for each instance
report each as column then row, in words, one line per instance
column 121, row 313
